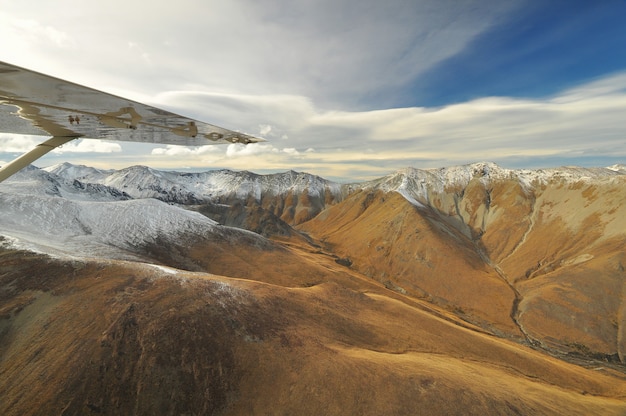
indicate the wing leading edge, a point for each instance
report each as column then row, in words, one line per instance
column 37, row 104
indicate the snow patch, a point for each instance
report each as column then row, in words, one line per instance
column 57, row 225
column 417, row 185
column 69, row 210
column 144, row 182
column 164, row 269
column 578, row 260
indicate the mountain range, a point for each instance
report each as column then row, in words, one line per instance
column 463, row 290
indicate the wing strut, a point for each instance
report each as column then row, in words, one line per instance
column 36, row 104
column 29, row 157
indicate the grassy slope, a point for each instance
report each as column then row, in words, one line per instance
column 122, row 338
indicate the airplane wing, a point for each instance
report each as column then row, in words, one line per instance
column 37, row 104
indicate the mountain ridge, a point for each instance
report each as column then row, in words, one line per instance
column 416, row 283
column 218, row 185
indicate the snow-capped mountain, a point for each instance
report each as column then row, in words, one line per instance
column 34, row 181
column 83, row 228
column 533, row 256
column 290, row 197
column 420, row 186
column 82, row 208
column 192, row 188
column 272, row 191
column 618, row 168
column 47, row 213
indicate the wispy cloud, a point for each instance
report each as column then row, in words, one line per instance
column 334, row 52
column 579, row 121
column 89, row 146
column 177, row 151
column 31, row 30
column 17, row 143
column 321, row 80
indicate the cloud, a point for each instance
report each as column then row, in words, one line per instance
column 586, row 120
column 17, row 143
column 581, row 123
column 291, row 151
column 35, row 30
column 139, row 50
column 610, row 85
column 489, row 125
column 254, row 149
column 266, row 111
column 334, row 52
column 89, row 146
column 28, row 39
column 314, row 78
column 264, row 129
column 174, row 150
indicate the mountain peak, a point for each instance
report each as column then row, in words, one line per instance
column 70, row 171
column 619, row 168
column 419, row 185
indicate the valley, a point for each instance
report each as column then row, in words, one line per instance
column 463, row 290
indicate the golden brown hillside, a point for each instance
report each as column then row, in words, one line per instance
column 546, row 262
column 112, row 337
column 469, row 290
column 412, row 251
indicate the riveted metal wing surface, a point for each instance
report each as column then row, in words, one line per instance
column 36, row 104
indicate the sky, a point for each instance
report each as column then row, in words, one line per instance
column 344, row 89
